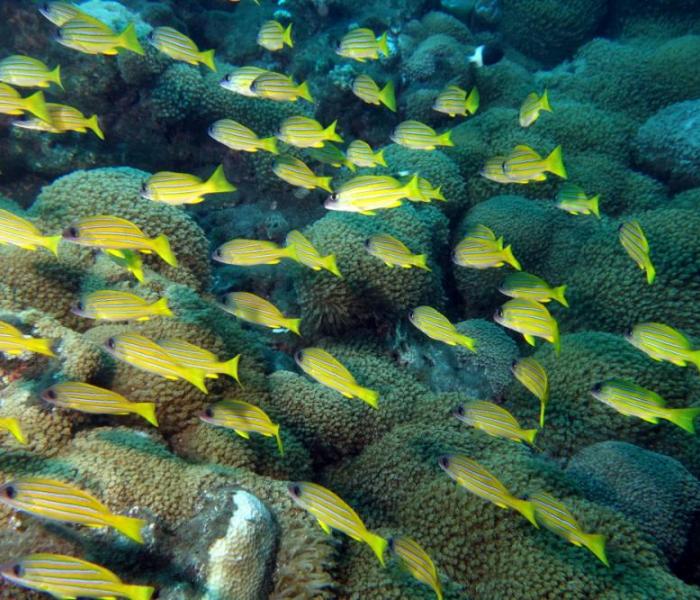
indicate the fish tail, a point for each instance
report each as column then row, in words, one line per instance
column 694, row 357
column 388, row 96
column 378, row 545
column 324, row 183
column 290, row 251
column 135, row 267
column 51, row 243
column 162, row 248
column 129, row 40
column 161, row 308
column 509, row 257
column 466, row 341
column 544, row 101
column 350, row 166
column 379, row 158
column 555, row 163
column 543, row 406
column 595, row 542
column 445, row 139
column 472, row 101
column 12, row 425
column 293, row 325
column 129, row 526
column 93, row 124
column 371, row 397
column 330, row 134
column 438, row 195
column 36, row 104
column 525, row 508
column 287, row 36
column 556, row 340
column 207, row 58
column 230, row 367
column 530, row 435
column 276, row 432
column 558, row 294
column 412, row 189
column 55, row 76
column 138, row 592
column 650, row 271
column 195, row 377
column 269, row 145
column 40, row 346
column 304, row 92
column 422, row 262
column 330, row 264
column 218, row 182
column 383, row 44
column 147, row 410
column 683, row 417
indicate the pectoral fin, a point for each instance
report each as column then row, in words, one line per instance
column 324, row 527
column 529, row 339
column 243, row 434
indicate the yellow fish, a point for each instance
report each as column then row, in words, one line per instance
column 494, row 420
column 453, row 101
column 250, row 253
column 143, row 353
column 58, row 501
column 328, row 371
column 416, row 561
column 477, row 251
column 332, row 512
column 95, row 400
column 532, row 375
column 254, row 309
column 240, row 80
column 531, row 287
column 273, row 36
column 238, row 137
column 530, row 318
column 367, row 90
column 108, row 232
column 296, row 172
column 330, row 154
column 531, row 107
column 633, row 400
column 524, row 165
column 304, row 132
column 63, row 118
column 662, row 342
column 361, row 44
column 365, row 194
column 393, row 252
column 419, row 136
column 573, row 200
column 360, row 153
column 25, row 71
column 635, row 243
column 115, row 305
column 94, row 37
column 59, row 13
column 129, row 260
column 438, row 327
column 307, row 255
column 479, row 481
column 178, row 46
column 55, row 574
column 13, row 342
column 280, row 87
column 556, row 517
column 12, row 103
column 190, row 355
column 16, row 231
column 427, row 192
column 183, row 188
column 243, row 418
column 12, row 426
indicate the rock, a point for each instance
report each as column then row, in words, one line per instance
column 655, row 491
column 668, row 145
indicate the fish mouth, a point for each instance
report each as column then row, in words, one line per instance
column 12, row 571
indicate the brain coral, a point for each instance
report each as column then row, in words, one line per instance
column 369, row 291
column 528, row 26
column 115, row 191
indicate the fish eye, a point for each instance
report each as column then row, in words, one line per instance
column 17, row 570
column 71, row 232
column 444, row 462
column 390, row 543
column 217, row 252
column 411, row 314
column 10, row 492
column 208, row 412
column 111, row 343
column 459, row 411
column 367, row 243
column 79, row 305
column 299, row 355
column 51, row 394
column 295, row 490
column 514, row 365
column 597, row 387
column 226, row 78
